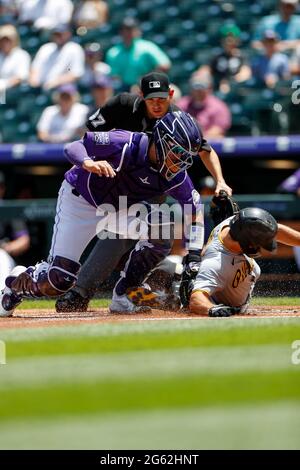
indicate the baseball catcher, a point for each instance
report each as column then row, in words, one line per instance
column 134, row 113
column 108, row 167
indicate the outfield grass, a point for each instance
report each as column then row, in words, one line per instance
column 96, row 303
column 222, row 383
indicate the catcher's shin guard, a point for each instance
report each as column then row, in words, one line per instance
column 142, row 260
column 46, row 279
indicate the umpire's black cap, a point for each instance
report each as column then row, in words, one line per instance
column 155, row 85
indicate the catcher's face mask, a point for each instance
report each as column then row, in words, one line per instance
column 177, row 139
column 174, row 158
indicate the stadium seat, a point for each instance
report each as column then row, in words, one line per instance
column 241, row 124
column 26, row 105
column 31, row 44
column 188, row 30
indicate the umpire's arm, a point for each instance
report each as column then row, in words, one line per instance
column 212, row 163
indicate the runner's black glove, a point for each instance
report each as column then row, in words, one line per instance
column 191, row 265
column 223, row 311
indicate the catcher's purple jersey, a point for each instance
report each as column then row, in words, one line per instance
column 135, row 178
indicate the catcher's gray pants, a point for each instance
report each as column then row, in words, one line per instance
column 101, row 262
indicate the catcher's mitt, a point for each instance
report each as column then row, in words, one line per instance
column 222, row 207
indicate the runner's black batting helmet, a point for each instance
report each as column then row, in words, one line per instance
column 253, row 229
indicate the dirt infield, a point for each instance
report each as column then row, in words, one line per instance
column 48, row 317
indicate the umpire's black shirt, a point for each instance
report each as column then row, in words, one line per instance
column 124, row 111
column 127, row 111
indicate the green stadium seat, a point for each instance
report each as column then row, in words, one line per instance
column 199, row 15
column 241, row 124
column 31, row 44
column 26, row 105
column 203, row 56
column 144, row 7
column 91, row 35
column 16, row 132
column 13, row 95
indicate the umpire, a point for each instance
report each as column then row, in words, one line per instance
column 131, row 112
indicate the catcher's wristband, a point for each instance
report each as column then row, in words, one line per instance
column 196, row 238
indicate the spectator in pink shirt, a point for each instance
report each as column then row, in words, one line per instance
column 212, row 114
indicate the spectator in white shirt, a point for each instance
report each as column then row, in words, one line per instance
column 14, row 61
column 59, row 62
column 45, row 14
column 65, row 120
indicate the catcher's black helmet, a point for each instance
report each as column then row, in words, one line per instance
column 253, row 229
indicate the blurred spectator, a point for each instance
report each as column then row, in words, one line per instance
column 14, row 240
column 14, row 61
column 295, row 62
column 229, row 64
column 94, row 66
column 285, row 23
column 45, row 14
column 57, row 62
column 271, row 66
column 65, row 120
column 212, row 114
column 207, row 186
column 102, row 91
column 134, row 56
column 8, row 11
column 292, row 185
column 90, row 14
column 177, row 93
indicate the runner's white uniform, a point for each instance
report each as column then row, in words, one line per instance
column 226, row 277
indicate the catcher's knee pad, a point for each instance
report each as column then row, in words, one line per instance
column 61, row 276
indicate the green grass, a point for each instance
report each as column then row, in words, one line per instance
column 149, row 338
column 276, row 301
column 45, row 303
column 96, row 303
column 195, row 383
